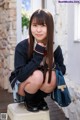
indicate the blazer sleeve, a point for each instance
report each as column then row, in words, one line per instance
column 59, row 60
column 25, row 67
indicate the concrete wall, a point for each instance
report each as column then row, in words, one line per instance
column 60, row 16
column 63, row 15
column 73, row 49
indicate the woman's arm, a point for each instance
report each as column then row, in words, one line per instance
column 25, row 67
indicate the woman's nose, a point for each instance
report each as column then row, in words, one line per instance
column 39, row 28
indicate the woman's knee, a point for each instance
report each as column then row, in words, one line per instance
column 38, row 77
column 35, row 80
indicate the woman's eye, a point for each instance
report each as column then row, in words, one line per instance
column 34, row 25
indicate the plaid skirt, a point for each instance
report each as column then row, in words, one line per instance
column 16, row 96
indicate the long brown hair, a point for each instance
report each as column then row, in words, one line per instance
column 44, row 16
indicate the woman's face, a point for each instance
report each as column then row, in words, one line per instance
column 39, row 32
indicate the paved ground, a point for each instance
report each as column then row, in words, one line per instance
column 55, row 112
column 5, row 99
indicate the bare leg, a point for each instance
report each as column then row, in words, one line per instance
column 32, row 84
column 49, row 87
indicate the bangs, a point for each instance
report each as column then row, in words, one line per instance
column 39, row 19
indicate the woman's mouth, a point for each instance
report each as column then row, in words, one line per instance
column 38, row 35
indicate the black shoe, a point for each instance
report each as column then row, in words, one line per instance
column 43, row 105
column 29, row 102
column 32, row 107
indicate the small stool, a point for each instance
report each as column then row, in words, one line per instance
column 17, row 111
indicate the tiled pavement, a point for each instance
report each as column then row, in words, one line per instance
column 55, row 112
column 5, row 99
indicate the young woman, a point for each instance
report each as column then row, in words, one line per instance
column 35, row 62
